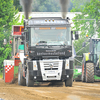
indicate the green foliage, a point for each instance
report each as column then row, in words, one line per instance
column 21, row 22
column 5, row 53
column 7, row 19
column 17, row 5
column 43, row 5
column 78, row 5
column 91, row 10
column 46, row 5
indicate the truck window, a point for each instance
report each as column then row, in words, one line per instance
column 50, row 37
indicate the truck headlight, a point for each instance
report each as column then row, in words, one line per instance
column 67, row 64
column 35, row 65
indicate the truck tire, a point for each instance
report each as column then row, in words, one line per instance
column 69, row 81
column 89, row 72
column 21, row 80
column 29, row 83
column 83, row 73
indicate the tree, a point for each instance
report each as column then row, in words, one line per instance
column 46, row 6
column 43, row 5
column 7, row 13
column 78, row 5
column 91, row 11
column 17, row 5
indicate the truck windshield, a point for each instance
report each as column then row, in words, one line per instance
column 97, row 48
column 50, row 37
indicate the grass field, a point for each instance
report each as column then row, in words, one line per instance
column 15, row 70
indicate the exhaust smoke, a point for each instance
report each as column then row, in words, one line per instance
column 64, row 7
column 27, row 6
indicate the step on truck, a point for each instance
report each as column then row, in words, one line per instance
column 47, row 51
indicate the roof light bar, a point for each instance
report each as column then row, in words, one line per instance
column 44, row 22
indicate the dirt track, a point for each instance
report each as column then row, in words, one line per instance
column 79, row 91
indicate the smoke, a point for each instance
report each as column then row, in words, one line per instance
column 27, row 6
column 64, row 7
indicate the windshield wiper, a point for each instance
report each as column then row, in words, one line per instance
column 42, row 42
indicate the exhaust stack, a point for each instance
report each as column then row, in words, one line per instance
column 64, row 7
column 27, row 6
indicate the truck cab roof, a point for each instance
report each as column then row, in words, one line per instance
column 48, row 21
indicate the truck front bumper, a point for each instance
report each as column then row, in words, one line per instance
column 37, row 76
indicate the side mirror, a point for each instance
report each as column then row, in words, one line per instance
column 84, row 44
column 72, row 35
column 76, row 35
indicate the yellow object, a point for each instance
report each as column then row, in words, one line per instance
column 45, row 28
column 86, row 35
column 21, row 28
column 87, row 56
column 61, row 28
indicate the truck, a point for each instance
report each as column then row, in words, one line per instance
column 47, row 51
column 91, row 61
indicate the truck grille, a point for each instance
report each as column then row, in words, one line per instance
column 51, row 69
column 51, row 65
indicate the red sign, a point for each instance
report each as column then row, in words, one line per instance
column 17, row 30
column 9, row 73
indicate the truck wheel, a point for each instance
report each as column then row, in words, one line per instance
column 29, row 83
column 21, row 80
column 89, row 72
column 83, row 73
column 69, row 81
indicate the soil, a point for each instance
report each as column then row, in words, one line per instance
column 48, row 91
